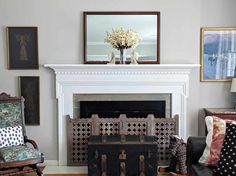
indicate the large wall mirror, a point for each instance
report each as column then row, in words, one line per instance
column 145, row 24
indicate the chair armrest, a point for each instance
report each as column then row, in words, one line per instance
column 32, row 142
column 195, row 148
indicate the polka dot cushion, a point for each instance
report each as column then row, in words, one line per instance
column 227, row 163
column 11, row 136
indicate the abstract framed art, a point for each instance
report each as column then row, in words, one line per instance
column 29, row 89
column 22, row 47
column 218, row 54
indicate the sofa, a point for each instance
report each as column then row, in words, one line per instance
column 195, row 148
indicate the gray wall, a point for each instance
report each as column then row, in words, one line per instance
column 60, row 41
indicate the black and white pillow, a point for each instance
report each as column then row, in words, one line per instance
column 227, row 163
column 11, row 136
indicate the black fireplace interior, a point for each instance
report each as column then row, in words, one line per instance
column 112, row 109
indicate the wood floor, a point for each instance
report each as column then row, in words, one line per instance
column 160, row 174
column 66, row 175
column 31, row 174
column 59, row 171
column 86, row 175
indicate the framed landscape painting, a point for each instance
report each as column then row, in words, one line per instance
column 29, row 89
column 22, row 47
column 218, row 54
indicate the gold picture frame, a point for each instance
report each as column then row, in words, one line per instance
column 218, row 54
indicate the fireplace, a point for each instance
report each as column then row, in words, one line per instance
column 113, row 109
column 119, row 79
column 111, row 106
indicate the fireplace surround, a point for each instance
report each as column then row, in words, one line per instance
column 119, row 79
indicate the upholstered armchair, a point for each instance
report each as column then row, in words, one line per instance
column 16, row 156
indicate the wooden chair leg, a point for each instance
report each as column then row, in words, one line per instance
column 39, row 173
column 38, row 170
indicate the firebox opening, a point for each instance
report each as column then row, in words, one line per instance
column 112, row 109
column 140, row 105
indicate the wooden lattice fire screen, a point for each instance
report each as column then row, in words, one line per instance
column 79, row 130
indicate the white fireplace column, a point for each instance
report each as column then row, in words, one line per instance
column 119, row 79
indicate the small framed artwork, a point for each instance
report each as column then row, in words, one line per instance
column 218, row 54
column 22, row 47
column 29, row 89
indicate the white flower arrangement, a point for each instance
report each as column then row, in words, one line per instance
column 122, row 39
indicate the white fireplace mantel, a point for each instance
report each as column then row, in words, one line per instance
column 119, row 79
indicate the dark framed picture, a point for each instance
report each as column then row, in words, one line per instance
column 218, row 54
column 138, row 32
column 29, row 89
column 22, row 47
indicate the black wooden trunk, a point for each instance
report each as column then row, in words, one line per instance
column 112, row 146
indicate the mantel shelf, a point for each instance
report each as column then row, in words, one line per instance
column 122, row 69
column 120, row 66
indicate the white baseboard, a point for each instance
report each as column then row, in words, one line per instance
column 51, row 162
column 53, row 168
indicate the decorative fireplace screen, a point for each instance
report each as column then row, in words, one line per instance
column 79, row 130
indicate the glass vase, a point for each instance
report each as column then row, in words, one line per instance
column 122, row 56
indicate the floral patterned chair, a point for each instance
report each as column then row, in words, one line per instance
column 16, row 157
